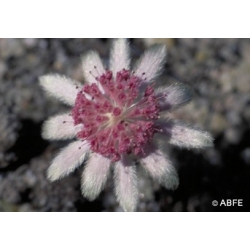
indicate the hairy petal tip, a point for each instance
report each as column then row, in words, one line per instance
column 185, row 136
column 126, row 184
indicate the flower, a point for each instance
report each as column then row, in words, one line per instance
column 117, row 118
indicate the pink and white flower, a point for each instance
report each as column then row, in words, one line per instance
column 116, row 117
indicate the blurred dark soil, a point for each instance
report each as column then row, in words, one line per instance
column 218, row 70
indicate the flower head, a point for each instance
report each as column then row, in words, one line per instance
column 115, row 118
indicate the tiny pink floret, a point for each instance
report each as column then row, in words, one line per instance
column 119, row 121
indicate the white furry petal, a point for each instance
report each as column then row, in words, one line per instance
column 119, row 57
column 185, row 136
column 68, row 160
column 160, row 169
column 95, row 175
column 151, row 63
column 126, row 184
column 60, row 127
column 173, row 96
column 92, row 66
column 61, row 87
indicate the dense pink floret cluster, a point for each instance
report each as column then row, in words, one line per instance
column 119, row 120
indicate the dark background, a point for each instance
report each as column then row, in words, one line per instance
column 218, row 70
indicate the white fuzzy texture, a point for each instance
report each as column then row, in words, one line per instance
column 95, row 175
column 151, row 63
column 60, row 87
column 92, row 67
column 126, row 184
column 185, row 136
column 60, row 127
column 68, row 160
column 119, row 56
column 160, row 169
column 173, row 96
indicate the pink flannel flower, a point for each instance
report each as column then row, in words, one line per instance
column 117, row 120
